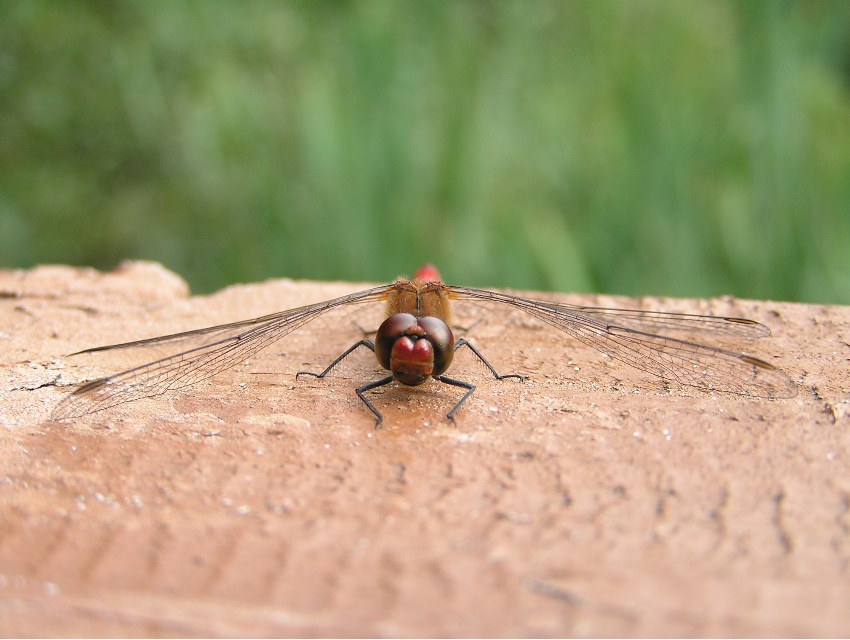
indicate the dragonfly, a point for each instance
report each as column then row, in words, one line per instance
column 415, row 344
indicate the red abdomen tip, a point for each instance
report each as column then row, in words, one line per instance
column 427, row 273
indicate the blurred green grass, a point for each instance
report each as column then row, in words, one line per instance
column 661, row 147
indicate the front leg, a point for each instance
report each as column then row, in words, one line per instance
column 373, row 385
column 457, row 383
column 463, row 343
column 362, row 343
column 360, row 390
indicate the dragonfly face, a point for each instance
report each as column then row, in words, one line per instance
column 414, row 349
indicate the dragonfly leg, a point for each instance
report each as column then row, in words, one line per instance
column 463, row 343
column 367, row 387
column 457, row 383
column 362, row 343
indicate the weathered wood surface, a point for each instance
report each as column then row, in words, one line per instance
column 587, row 500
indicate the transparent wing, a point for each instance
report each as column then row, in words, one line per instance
column 670, row 321
column 633, row 337
column 221, row 347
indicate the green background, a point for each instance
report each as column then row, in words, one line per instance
column 671, row 148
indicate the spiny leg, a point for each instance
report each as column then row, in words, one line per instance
column 457, row 383
column 463, row 343
column 360, row 390
column 362, row 343
column 466, row 385
column 373, row 385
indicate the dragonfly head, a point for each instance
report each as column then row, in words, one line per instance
column 414, row 349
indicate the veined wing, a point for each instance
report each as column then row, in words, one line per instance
column 630, row 336
column 229, row 345
column 652, row 321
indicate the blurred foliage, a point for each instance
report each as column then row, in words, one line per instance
column 659, row 147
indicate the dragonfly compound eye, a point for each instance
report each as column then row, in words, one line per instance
column 414, row 349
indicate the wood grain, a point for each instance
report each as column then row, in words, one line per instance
column 587, row 500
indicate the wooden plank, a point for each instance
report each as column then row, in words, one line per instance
column 588, row 500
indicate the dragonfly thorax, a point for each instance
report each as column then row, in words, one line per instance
column 414, row 349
